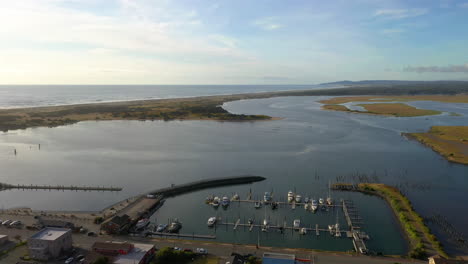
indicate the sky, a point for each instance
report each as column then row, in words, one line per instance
column 231, row 42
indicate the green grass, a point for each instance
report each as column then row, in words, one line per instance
column 422, row 241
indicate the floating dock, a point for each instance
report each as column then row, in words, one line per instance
column 177, row 235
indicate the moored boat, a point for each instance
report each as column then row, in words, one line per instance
column 175, row 226
column 211, row 221
column 296, row 224
column 142, row 223
column 225, row 201
column 298, row 198
column 290, row 197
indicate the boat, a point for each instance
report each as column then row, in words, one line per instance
column 250, row 221
column 175, row 226
column 296, row 224
column 321, row 201
column 235, row 197
column 274, row 205
column 306, row 199
column 267, row 197
column 329, row 199
column 298, row 198
column 161, row 228
column 331, row 228
column 211, row 221
column 225, row 201
column 337, row 230
column 142, row 223
column 303, row 231
column 265, row 225
column 215, row 202
column 209, row 199
column 257, row 204
column 290, row 197
column 314, row 206
column 306, row 206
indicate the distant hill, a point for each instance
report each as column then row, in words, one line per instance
column 388, row 82
column 387, row 87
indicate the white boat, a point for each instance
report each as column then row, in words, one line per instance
column 306, row 199
column 329, row 201
column 303, row 231
column 225, row 201
column 175, row 226
column 314, row 206
column 161, row 228
column 296, row 224
column 321, row 201
column 306, row 206
column 267, row 197
column 257, row 204
column 211, row 221
column 290, row 197
column 337, row 230
column 142, row 223
column 265, row 225
column 215, row 202
column 298, row 198
column 331, row 228
column 235, row 197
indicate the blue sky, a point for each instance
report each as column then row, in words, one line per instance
column 231, row 42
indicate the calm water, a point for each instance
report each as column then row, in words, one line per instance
column 142, row 156
column 14, row 96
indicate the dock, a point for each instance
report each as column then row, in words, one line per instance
column 4, row 186
column 236, row 224
column 177, row 235
column 355, row 233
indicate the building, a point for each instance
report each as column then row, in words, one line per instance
column 112, row 248
column 116, row 224
column 50, row 243
column 56, row 223
column 122, row 252
column 3, row 239
column 441, row 260
column 140, row 254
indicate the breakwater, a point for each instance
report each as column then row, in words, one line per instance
column 204, row 184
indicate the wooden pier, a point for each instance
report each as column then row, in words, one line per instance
column 177, row 235
column 236, row 224
column 4, row 186
column 358, row 237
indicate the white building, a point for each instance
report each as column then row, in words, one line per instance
column 49, row 243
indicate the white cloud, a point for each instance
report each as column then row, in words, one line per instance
column 267, row 23
column 400, row 13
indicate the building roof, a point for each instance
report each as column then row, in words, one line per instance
column 3, row 236
column 275, row 258
column 50, row 233
column 112, row 245
column 134, row 256
column 441, row 260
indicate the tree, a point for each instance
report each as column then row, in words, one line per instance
column 101, row 260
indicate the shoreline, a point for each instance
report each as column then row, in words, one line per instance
column 422, row 243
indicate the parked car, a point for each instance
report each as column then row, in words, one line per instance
column 69, row 260
column 79, row 257
column 202, row 251
column 6, row 222
column 177, row 249
column 91, row 234
column 188, row 250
